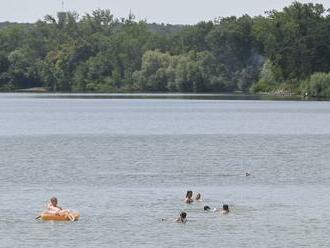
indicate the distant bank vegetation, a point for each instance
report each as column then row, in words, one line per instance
column 285, row 51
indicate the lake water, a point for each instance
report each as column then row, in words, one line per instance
column 126, row 163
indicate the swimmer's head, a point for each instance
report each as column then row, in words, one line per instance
column 53, row 201
column 183, row 215
column 207, row 208
column 189, row 194
column 225, row 207
column 198, row 196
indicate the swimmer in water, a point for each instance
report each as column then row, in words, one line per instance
column 207, row 208
column 189, row 197
column 198, row 197
column 182, row 218
column 225, row 209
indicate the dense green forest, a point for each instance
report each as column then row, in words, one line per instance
column 285, row 51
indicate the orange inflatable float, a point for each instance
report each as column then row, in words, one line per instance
column 72, row 216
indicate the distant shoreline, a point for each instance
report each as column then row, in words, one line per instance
column 161, row 95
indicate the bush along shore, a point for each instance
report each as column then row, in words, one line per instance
column 284, row 52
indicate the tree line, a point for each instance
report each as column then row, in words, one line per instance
column 283, row 51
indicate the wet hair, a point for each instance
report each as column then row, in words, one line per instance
column 53, row 199
column 206, row 208
column 189, row 193
column 183, row 215
column 225, row 207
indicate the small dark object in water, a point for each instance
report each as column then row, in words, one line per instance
column 225, row 209
column 207, row 208
column 247, row 174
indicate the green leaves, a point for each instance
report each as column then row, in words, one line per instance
column 317, row 85
column 98, row 52
column 189, row 72
column 291, row 39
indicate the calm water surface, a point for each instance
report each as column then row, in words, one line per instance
column 126, row 163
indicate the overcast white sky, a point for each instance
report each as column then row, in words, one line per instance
column 166, row 11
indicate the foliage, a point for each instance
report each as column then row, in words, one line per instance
column 317, row 85
column 98, row 52
column 295, row 40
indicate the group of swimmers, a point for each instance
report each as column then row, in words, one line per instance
column 54, row 209
column 198, row 198
column 189, row 197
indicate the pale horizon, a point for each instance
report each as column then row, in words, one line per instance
column 169, row 12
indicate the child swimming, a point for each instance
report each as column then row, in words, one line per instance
column 189, row 199
column 207, row 208
column 198, row 197
column 182, row 218
column 225, row 209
